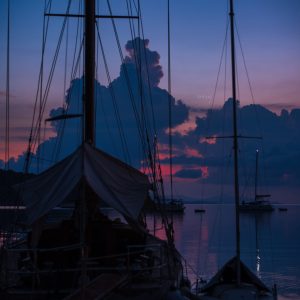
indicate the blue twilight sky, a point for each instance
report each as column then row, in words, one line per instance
column 269, row 31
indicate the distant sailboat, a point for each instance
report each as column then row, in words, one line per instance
column 174, row 205
column 260, row 204
column 234, row 280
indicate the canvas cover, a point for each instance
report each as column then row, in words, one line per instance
column 117, row 184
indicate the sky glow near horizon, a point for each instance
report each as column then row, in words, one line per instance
column 269, row 31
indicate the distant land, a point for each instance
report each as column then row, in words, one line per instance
column 227, row 199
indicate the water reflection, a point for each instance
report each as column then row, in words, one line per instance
column 257, row 246
column 270, row 244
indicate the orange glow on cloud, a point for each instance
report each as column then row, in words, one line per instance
column 16, row 148
column 190, row 152
column 186, row 127
column 204, row 170
column 210, row 141
column 187, row 151
column 165, row 169
column 165, row 155
column 163, row 150
column 19, row 143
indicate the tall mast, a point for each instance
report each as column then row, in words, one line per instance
column 235, row 147
column 256, row 175
column 89, row 76
column 89, row 135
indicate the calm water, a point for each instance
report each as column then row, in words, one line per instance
column 206, row 241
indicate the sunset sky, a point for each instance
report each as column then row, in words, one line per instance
column 269, row 31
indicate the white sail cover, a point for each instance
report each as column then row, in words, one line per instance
column 117, row 184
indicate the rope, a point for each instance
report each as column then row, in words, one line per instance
column 66, row 101
column 147, row 73
column 138, row 61
column 258, row 121
column 35, row 131
column 139, row 65
column 31, row 135
column 223, row 53
column 153, row 159
column 7, row 96
column 131, row 96
column 260, row 131
column 170, row 103
column 114, row 101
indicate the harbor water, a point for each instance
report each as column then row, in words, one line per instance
column 270, row 242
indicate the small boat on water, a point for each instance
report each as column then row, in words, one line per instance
column 199, row 210
column 256, row 206
column 167, row 205
column 282, row 208
column 174, row 205
column 260, row 204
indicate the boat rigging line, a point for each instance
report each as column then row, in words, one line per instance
column 170, row 103
column 141, row 60
column 7, row 92
column 114, row 100
column 32, row 142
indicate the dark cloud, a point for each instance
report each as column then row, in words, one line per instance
column 140, row 54
column 121, row 118
column 189, row 173
column 280, row 106
column 119, row 114
column 279, row 144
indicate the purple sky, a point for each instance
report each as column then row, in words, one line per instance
column 269, row 31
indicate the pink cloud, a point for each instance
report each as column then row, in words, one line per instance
column 163, row 150
column 188, row 126
column 190, row 152
column 210, row 141
column 205, row 172
column 19, row 141
column 16, row 148
column 165, row 169
column 187, row 151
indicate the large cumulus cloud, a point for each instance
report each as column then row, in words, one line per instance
column 276, row 136
column 194, row 157
column 121, row 117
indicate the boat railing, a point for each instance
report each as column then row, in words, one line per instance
column 29, row 250
column 151, row 258
column 137, row 259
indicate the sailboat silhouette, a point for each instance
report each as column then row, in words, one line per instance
column 234, row 280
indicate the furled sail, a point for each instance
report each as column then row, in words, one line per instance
column 119, row 185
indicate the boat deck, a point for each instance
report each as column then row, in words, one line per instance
column 99, row 287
